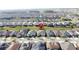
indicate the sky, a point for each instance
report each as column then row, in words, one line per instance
column 36, row 4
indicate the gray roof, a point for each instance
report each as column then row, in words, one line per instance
column 67, row 46
column 41, row 33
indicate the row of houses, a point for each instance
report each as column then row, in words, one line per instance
column 49, row 24
column 39, row 33
column 41, row 45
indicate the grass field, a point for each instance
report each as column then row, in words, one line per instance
column 17, row 28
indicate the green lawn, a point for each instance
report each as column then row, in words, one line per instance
column 36, row 28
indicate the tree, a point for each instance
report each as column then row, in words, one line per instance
column 66, row 19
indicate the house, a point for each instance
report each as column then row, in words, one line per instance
column 41, row 33
column 50, row 33
column 68, row 34
column 32, row 33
